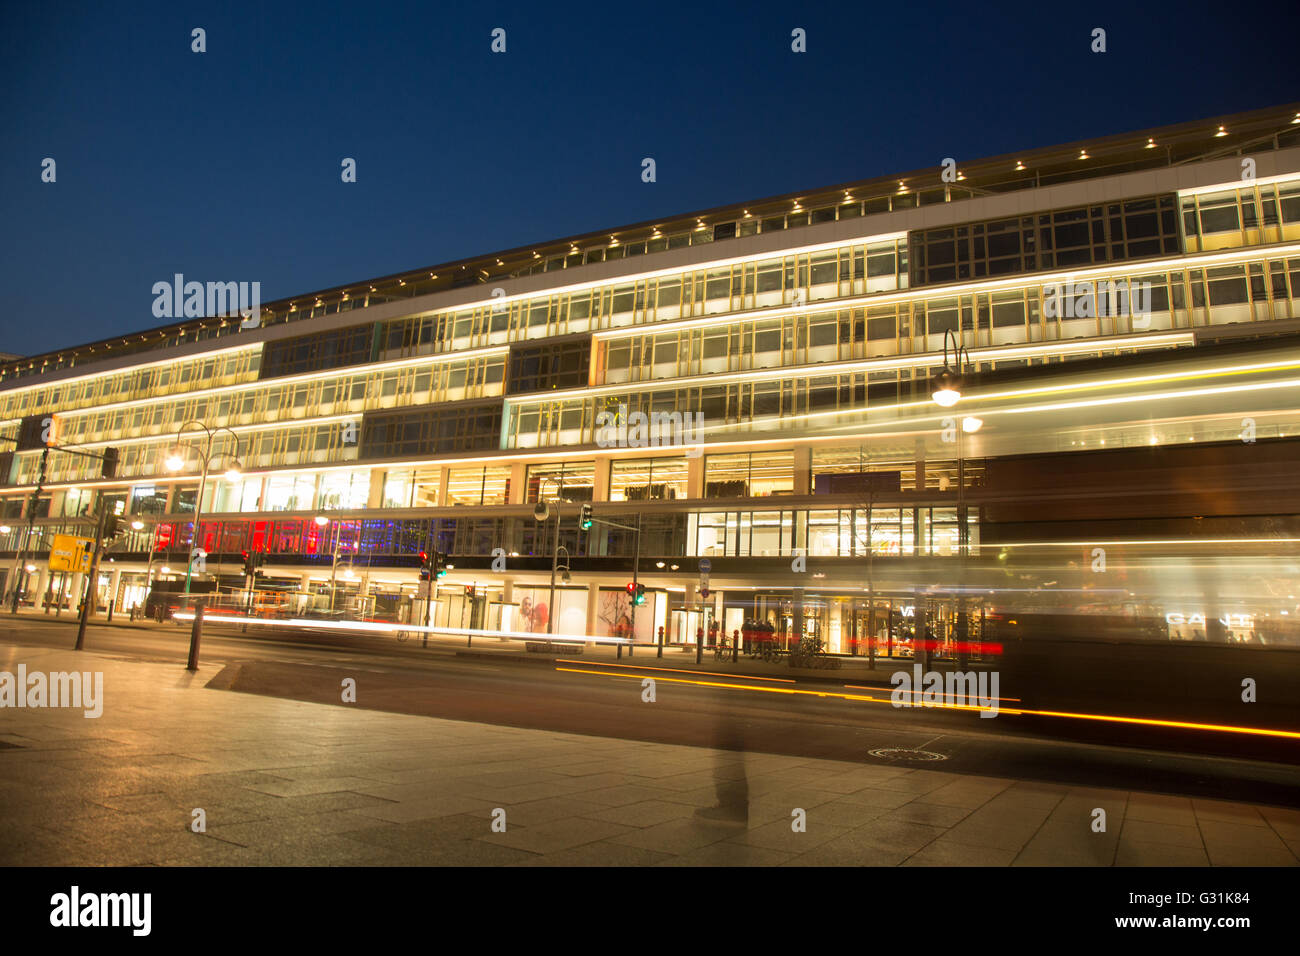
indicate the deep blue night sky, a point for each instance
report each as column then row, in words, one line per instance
column 225, row 165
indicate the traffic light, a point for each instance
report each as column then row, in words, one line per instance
column 639, row 597
column 112, row 527
column 584, row 520
column 248, row 563
column 439, row 564
column 631, row 590
column 424, row 565
column 108, row 467
column 252, row 562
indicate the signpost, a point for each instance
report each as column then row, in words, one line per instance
column 705, row 567
column 71, row 553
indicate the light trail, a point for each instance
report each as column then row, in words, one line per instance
column 1142, row 721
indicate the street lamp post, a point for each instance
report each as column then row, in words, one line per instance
column 321, row 522
column 946, row 393
column 138, row 525
column 540, row 513
column 176, row 461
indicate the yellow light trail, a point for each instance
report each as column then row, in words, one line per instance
column 1145, row 721
column 677, row 670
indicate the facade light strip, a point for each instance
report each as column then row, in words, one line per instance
column 921, row 360
column 542, row 455
column 238, row 429
column 1240, row 184
column 1199, row 260
column 439, row 358
column 983, row 397
column 245, row 347
column 1058, row 277
column 789, row 252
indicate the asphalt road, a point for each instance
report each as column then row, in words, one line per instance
column 810, row 717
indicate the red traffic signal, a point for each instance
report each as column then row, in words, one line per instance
column 631, row 588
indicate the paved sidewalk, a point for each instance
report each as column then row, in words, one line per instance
column 288, row 782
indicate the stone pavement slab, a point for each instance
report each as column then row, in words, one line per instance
column 285, row 782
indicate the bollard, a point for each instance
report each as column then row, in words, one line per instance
column 196, row 632
column 110, row 611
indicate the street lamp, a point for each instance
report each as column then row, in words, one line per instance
column 138, row 525
column 542, row 511
column 321, row 522
column 946, row 393
column 176, row 461
column 946, row 386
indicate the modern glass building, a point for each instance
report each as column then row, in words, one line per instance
column 751, row 385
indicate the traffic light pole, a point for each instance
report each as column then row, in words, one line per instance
column 92, row 584
column 434, row 573
column 555, row 561
column 636, row 565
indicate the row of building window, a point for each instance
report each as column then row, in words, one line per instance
column 155, row 381
column 734, row 475
column 1250, row 215
column 1250, row 292
column 1254, row 291
column 1134, row 228
column 1083, row 236
column 845, row 532
column 849, row 270
column 351, row 392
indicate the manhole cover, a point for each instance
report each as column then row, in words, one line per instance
column 897, row 753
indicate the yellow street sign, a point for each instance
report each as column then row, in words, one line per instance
column 70, row 553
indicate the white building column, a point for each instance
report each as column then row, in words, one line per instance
column 593, row 609
column 803, row 470
column 601, row 490
column 695, row 476
column 42, row 577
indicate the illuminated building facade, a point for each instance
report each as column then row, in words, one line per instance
column 750, row 385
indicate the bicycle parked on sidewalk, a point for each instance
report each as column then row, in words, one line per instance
column 810, row 652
